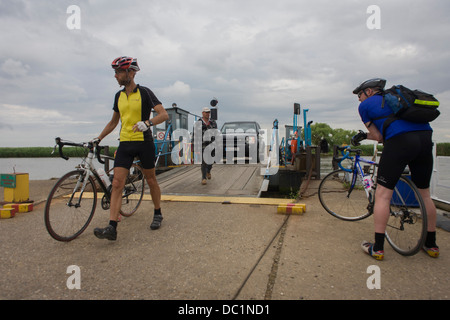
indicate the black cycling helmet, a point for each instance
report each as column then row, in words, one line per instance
column 372, row 83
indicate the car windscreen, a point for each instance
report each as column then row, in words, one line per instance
column 239, row 126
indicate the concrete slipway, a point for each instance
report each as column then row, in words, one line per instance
column 211, row 248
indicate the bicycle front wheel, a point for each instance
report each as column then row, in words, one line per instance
column 340, row 199
column 70, row 208
column 407, row 226
column 133, row 191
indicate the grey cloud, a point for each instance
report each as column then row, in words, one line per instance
column 257, row 57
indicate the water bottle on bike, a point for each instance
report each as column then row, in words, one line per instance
column 368, row 182
column 104, row 177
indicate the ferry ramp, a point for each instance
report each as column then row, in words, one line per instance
column 227, row 180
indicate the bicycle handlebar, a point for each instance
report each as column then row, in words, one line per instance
column 345, row 151
column 93, row 146
column 348, row 148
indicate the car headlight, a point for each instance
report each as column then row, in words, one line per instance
column 250, row 140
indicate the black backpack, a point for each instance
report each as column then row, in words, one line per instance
column 411, row 105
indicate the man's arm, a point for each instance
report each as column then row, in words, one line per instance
column 374, row 133
column 160, row 118
column 110, row 126
column 161, row 115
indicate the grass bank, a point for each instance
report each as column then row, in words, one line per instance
column 44, row 152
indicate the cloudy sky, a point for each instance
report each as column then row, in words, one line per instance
column 257, row 57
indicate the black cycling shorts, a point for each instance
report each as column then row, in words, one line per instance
column 129, row 150
column 414, row 149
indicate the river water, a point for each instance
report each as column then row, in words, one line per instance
column 48, row 168
column 38, row 168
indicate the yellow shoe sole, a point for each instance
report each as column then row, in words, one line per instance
column 432, row 252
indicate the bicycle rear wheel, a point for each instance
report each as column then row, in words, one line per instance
column 133, row 191
column 407, row 226
column 69, row 211
column 341, row 202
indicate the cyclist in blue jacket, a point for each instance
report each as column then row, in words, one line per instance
column 405, row 143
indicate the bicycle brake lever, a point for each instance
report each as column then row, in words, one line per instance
column 58, row 143
column 99, row 158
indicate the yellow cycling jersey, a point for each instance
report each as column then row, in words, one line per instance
column 132, row 109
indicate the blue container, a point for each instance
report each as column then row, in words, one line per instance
column 406, row 193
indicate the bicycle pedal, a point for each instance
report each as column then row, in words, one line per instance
column 105, row 203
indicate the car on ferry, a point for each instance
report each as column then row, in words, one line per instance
column 243, row 139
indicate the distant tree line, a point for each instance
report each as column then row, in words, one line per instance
column 320, row 131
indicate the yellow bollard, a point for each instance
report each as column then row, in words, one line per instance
column 16, row 187
column 25, row 207
column 291, row 208
column 6, row 213
column 20, row 207
column 14, row 206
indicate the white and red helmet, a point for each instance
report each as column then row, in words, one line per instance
column 125, row 63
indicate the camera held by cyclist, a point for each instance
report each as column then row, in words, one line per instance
column 361, row 135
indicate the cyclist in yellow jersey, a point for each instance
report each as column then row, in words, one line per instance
column 132, row 106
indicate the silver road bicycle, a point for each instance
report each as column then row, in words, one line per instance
column 71, row 203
